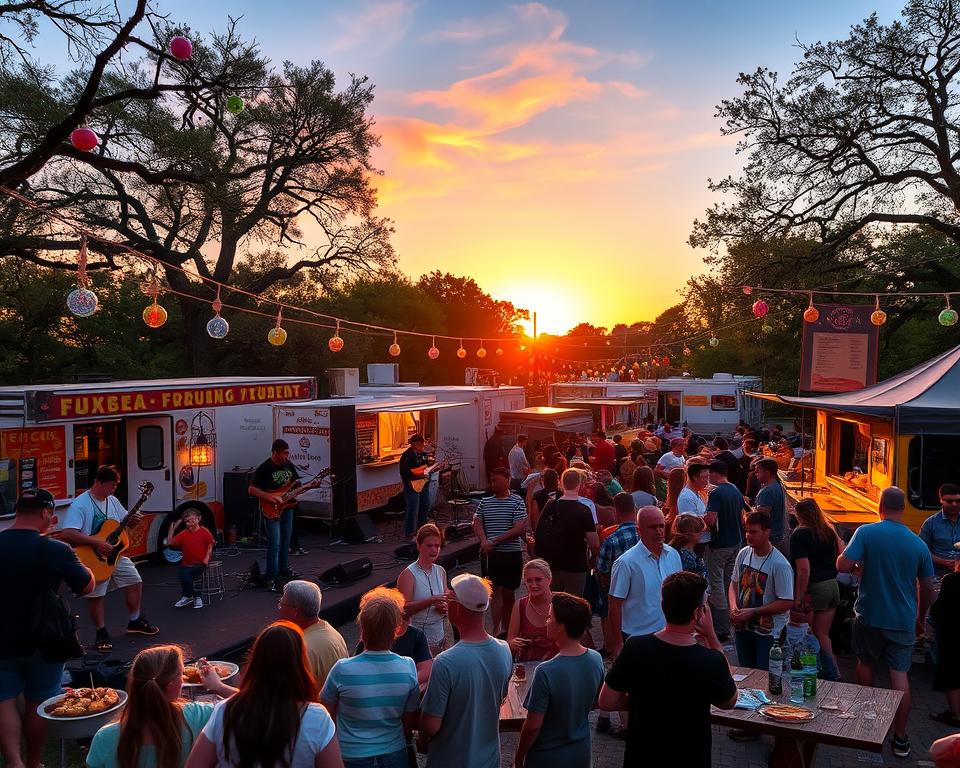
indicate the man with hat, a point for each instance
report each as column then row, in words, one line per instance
column 29, row 563
column 460, row 713
column 413, row 467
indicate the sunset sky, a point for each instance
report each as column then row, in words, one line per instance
column 556, row 152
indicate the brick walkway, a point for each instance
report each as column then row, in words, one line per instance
column 608, row 751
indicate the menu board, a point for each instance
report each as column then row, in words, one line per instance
column 39, row 458
column 840, row 350
column 366, row 438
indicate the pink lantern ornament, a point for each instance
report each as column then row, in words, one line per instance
column 760, row 308
column 84, row 139
column 180, row 48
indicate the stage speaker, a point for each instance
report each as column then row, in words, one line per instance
column 349, row 570
column 240, row 509
column 457, row 531
column 406, row 552
column 359, row 529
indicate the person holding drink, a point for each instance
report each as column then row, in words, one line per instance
column 528, row 636
column 424, row 585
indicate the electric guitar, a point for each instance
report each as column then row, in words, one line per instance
column 424, row 475
column 288, row 495
column 114, row 533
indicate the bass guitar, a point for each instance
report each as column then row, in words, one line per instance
column 114, row 532
column 424, row 473
column 288, row 495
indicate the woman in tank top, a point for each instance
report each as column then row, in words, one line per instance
column 424, row 585
column 527, row 635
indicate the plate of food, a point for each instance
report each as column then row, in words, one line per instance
column 787, row 713
column 81, row 711
column 224, row 669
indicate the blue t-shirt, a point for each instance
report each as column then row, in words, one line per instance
column 893, row 558
column 103, row 749
column 564, row 690
column 372, row 692
column 772, row 496
column 468, row 683
column 727, row 501
column 941, row 536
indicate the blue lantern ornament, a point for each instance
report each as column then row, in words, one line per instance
column 217, row 327
column 81, row 301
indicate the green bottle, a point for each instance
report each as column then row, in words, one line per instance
column 775, row 670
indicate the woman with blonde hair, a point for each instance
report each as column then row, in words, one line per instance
column 375, row 696
column 687, row 530
column 527, row 634
column 274, row 720
column 676, row 481
column 157, row 727
column 423, row 585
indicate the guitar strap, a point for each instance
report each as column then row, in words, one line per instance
column 99, row 515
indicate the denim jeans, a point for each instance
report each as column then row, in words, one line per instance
column 396, row 759
column 278, row 544
column 188, row 573
column 753, row 650
column 417, row 506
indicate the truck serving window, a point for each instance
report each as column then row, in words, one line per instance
column 723, row 402
column 932, row 461
column 150, row 447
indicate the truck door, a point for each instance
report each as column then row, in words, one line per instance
column 150, row 458
column 669, row 407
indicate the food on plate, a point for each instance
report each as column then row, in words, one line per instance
column 787, row 713
column 78, row 702
column 191, row 673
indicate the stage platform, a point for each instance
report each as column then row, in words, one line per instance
column 224, row 629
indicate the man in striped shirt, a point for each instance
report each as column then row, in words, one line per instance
column 499, row 523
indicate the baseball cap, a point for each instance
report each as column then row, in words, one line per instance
column 36, row 498
column 471, row 591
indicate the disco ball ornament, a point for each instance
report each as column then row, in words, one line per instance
column 499, row 352
column 82, row 302
column 811, row 314
column 217, row 327
column 235, row 105
column 878, row 317
column 154, row 315
column 180, row 48
column 481, row 353
column 760, row 308
column 461, row 353
column 277, row 336
column 433, row 353
column 714, row 341
column 335, row 343
column 947, row 318
column 84, row 139
column 394, row 350
column 747, row 290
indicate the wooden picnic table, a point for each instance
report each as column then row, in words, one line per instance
column 512, row 711
column 849, row 725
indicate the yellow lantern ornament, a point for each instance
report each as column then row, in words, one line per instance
column 335, row 343
column 394, row 348
column 461, row 353
column 277, row 335
column 154, row 315
column 811, row 314
column 878, row 317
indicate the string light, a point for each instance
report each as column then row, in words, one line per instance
column 747, row 290
column 81, row 301
column 217, row 327
column 277, row 335
column 481, row 352
column 878, row 317
column 948, row 317
column 433, row 353
column 687, row 351
column 335, row 343
column 462, row 353
column 394, row 348
column 714, row 341
column 499, row 352
column 811, row 314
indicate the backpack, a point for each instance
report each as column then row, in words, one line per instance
column 549, row 536
column 52, row 625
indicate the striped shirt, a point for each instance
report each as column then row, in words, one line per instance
column 499, row 516
column 372, row 692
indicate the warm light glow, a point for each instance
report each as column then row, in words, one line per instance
column 201, row 452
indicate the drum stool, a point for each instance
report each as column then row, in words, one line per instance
column 210, row 583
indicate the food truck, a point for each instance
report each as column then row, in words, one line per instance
column 904, row 431
column 544, row 424
column 180, row 435
column 616, row 407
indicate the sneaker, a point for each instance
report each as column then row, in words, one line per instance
column 182, row 602
column 742, row 737
column 103, row 642
column 900, row 746
column 275, row 585
column 288, row 575
column 299, row 552
column 141, row 626
column 197, row 603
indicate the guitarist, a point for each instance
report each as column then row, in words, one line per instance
column 84, row 518
column 275, row 473
column 413, row 466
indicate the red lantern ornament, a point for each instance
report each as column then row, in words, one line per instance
column 84, row 139
column 666, row 361
column 760, row 308
column 433, row 353
column 747, row 290
column 335, row 344
column 461, row 353
column 395, row 347
column 180, row 48
column 878, row 317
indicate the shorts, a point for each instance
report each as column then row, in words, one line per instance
column 824, row 595
column 571, row 582
column 505, row 569
column 35, row 678
column 125, row 575
column 873, row 644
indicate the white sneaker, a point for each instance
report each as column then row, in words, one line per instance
column 183, row 602
column 198, row 603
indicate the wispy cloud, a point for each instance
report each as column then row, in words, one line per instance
column 383, row 24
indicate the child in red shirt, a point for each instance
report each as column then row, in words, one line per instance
column 196, row 542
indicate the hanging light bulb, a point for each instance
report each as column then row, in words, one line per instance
column 714, row 341
column 277, row 335
column 154, row 315
column 878, row 317
column 481, row 352
column 499, row 352
column 811, row 314
column 462, row 353
column 217, row 327
column 947, row 317
column 760, row 308
column 433, row 353
column 81, row 301
column 394, row 348
column 335, row 343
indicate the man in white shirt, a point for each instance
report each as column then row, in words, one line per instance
column 518, row 462
column 636, row 578
column 689, row 500
column 672, row 458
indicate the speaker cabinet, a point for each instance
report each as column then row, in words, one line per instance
column 240, row 508
column 359, row 529
column 349, row 570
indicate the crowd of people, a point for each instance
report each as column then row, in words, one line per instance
column 677, row 553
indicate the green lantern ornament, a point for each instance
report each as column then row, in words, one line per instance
column 235, row 105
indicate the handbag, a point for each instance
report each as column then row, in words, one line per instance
column 53, row 626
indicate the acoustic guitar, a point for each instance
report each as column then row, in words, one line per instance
column 114, row 533
column 424, row 473
column 289, row 494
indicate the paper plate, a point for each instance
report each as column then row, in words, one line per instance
column 228, row 664
column 769, row 711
